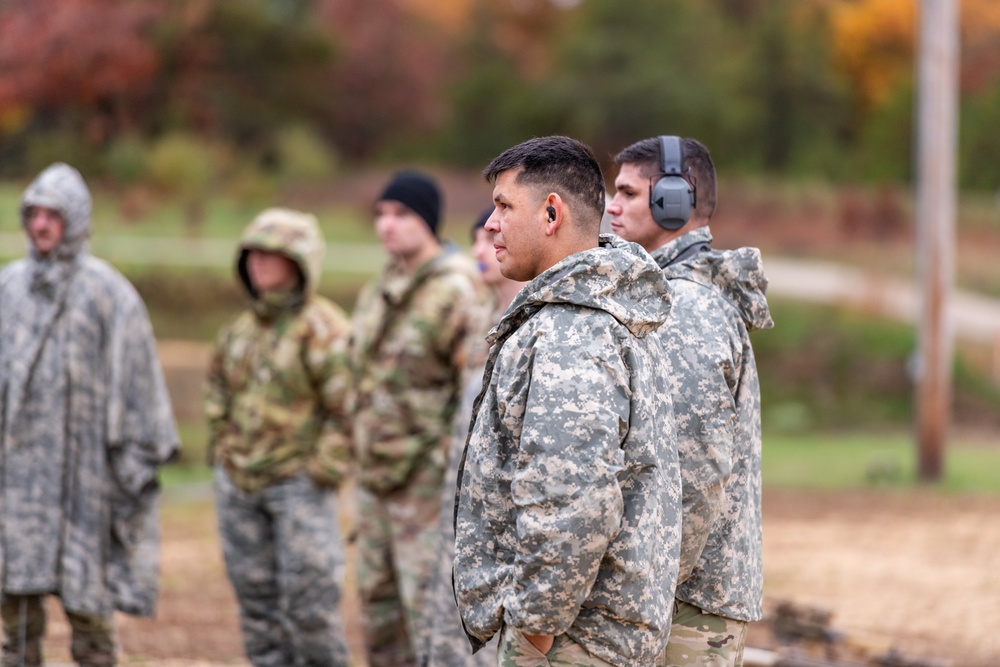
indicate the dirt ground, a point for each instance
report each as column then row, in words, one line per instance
column 915, row 570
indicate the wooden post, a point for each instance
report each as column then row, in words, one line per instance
column 937, row 129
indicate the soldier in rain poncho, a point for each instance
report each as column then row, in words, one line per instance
column 85, row 421
column 718, row 299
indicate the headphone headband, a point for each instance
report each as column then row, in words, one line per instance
column 671, row 155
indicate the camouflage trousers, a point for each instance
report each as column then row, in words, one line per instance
column 699, row 639
column 397, row 541
column 285, row 560
column 92, row 643
column 447, row 644
column 517, row 651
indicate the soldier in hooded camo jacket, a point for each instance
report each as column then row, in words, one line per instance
column 447, row 643
column 85, row 421
column 718, row 299
column 568, row 516
column 276, row 406
column 411, row 329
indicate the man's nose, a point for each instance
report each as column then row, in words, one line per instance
column 492, row 223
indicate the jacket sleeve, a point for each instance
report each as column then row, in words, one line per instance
column 464, row 317
column 704, row 361
column 326, row 358
column 218, row 397
column 567, row 501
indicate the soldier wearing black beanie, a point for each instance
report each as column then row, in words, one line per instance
column 411, row 329
column 417, row 191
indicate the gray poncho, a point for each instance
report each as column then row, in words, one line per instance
column 84, row 421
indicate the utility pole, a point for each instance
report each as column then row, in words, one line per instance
column 937, row 129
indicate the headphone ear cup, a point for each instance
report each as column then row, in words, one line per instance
column 671, row 202
column 671, row 199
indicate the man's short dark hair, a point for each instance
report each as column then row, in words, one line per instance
column 697, row 166
column 562, row 165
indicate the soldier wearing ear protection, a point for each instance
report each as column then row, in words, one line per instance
column 671, row 198
column 664, row 198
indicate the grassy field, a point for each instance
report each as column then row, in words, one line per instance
column 831, row 461
column 221, row 219
column 831, row 379
column 888, row 461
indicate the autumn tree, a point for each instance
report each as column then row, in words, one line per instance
column 243, row 70
column 83, row 66
column 875, row 42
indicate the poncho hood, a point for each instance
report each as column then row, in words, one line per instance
column 739, row 273
column 618, row 277
column 61, row 188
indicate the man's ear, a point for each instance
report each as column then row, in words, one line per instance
column 554, row 213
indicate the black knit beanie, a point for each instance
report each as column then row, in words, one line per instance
column 419, row 192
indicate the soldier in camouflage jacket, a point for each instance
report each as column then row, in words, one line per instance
column 448, row 645
column 85, row 421
column 411, row 329
column 276, row 406
column 718, row 299
column 568, row 511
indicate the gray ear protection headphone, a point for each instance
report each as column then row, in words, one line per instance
column 671, row 199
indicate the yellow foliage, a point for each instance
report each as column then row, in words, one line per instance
column 875, row 41
column 980, row 20
column 450, row 15
column 14, row 118
column 874, row 45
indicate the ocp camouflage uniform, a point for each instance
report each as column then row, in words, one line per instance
column 568, row 518
column 276, row 406
column 85, row 422
column 718, row 299
column 408, row 352
column 447, row 644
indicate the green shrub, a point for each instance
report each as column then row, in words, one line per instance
column 126, row 160
column 70, row 147
column 181, row 165
column 824, row 368
column 303, row 156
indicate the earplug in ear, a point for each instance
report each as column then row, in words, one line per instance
column 552, row 213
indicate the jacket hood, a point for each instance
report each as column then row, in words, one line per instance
column 738, row 274
column 291, row 233
column 617, row 277
column 61, row 188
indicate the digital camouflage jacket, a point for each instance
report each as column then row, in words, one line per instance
column 568, row 514
column 718, row 299
column 408, row 353
column 278, row 380
column 85, row 420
